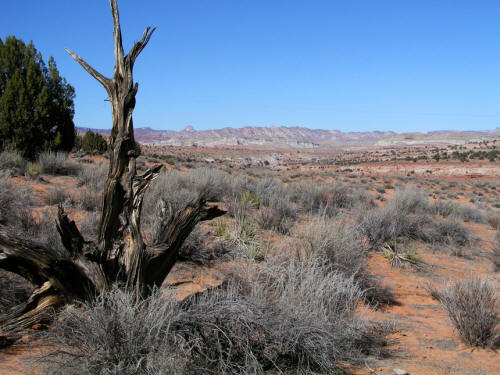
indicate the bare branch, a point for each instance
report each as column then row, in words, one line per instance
column 141, row 183
column 25, row 258
column 173, row 231
column 106, row 82
column 71, row 237
column 38, row 264
column 117, row 36
column 139, row 46
column 37, row 308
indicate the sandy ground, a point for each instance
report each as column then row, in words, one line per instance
column 424, row 342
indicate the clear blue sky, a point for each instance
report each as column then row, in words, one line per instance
column 403, row 65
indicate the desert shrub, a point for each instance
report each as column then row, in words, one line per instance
column 472, row 214
column 115, row 334
column 276, row 219
column 209, row 182
column 240, row 184
column 340, row 243
column 269, row 197
column 280, row 316
column 169, row 187
column 362, row 200
column 57, row 163
column 328, row 199
column 93, row 142
column 177, row 190
column 251, row 199
column 277, row 211
column 493, row 219
column 451, row 231
column 336, row 241
column 445, row 207
column 89, row 225
column 495, row 253
column 472, row 307
column 311, row 197
column 269, row 190
column 195, row 248
column 389, row 223
column 93, row 177
column 237, row 206
column 405, row 216
column 294, row 317
column 88, row 200
column 409, row 201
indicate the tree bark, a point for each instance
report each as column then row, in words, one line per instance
column 120, row 255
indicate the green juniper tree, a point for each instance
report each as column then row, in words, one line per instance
column 93, row 142
column 36, row 103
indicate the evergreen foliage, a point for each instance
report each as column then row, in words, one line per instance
column 36, row 103
column 93, row 142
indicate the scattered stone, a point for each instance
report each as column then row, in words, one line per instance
column 400, row 371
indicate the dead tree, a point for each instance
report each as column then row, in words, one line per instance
column 120, row 255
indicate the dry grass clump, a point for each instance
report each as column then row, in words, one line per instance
column 57, row 163
column 56, row 195
column 16, row 214
column 12, row 161
column 473, row 309
column 276, row 210
column 15, row 205
column 266, row 200
column 286, row 317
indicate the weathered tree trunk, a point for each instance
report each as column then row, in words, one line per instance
column 120, row 255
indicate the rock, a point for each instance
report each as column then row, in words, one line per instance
column 400, row 371
column 187, row 279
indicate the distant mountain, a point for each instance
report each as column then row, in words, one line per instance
column 297, row 137
column 450, row 137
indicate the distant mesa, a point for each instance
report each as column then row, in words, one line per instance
column 298, row 137
column 189, row 129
